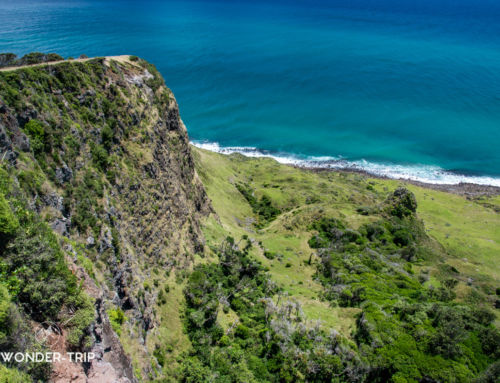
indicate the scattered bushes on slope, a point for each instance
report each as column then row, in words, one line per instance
column 407, row 330
column 263, row 207
column 269, row 342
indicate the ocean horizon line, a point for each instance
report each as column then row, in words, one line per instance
column 430, row 174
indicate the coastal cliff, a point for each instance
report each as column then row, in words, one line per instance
column 170, row 263
column 97, row 152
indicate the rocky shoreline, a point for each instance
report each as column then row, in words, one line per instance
column 469, row 190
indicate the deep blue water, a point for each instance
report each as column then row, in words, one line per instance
column 399, row 87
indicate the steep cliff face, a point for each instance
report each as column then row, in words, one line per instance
column 97, row 151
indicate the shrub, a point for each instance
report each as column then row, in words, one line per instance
column 402, row 237
column 5, row 304
column 490, row 341
column 374, row 231
column 450, row 331
column 402, row 203
column 266, row 209
column 36, row 132
column 117, row 318
column 45, row 280
column 11, row 375
column 269, row 254
column 159, row 354
column 80, row 321
column 352, row 235
column 263, row 207
column 224, row 341
column 33, row 58
column 107, row 137
column 242, row 331
column 100, row 157
column 7, row 59
column 162, row 299
column 8, row 221
column 491, row 374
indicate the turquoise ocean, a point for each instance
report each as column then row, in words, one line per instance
column 395, row 87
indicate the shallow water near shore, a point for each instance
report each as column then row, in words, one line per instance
column 391, row 87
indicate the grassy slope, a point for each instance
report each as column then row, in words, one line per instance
column 468, row 230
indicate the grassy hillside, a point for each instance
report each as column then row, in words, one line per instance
column 467, row 230
column 455, row 252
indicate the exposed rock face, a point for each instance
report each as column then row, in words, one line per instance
column 111, row 363
column 118, row 179
column 61, row 226
column 64, row 174
column 6, row 148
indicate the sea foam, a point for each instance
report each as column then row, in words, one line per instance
column 422, row 173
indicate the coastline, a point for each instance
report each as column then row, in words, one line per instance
column 470, row 190
column 328, row 164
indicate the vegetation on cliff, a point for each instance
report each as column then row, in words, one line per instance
column 109, row 243
column 10, row 59
column 98, row 190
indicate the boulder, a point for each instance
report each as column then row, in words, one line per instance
column 64, row 174
column 61, row 226
column 6, row 149
column 90, row 242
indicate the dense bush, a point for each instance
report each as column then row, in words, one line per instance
column 8, row 222
column 11, row 375
column 269, row 342
column 408, row 332
column 117, row 318
column 107, row 137
column 79, row 320
column 38, row 58
column 263, row 207
column 36, row 259
column 10, row 59
column 35, row 281
column 85, row 194
column 7, row 59
column 402, row 203
column 36, row 132
column 100, row 157
column 5, row 307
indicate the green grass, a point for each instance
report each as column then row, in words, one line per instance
column 170, row 335
column 467, row 230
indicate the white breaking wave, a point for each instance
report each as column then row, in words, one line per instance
column 422, row 173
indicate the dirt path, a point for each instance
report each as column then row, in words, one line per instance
column 123, row 59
